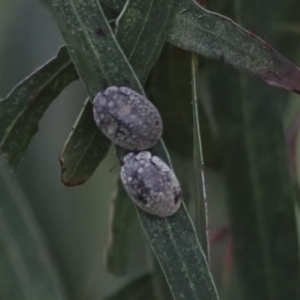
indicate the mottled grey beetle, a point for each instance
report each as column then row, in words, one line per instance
column 151, row 184
column 127, row 118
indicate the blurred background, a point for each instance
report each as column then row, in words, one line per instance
column 75, row 220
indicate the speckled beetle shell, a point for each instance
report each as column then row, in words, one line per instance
column 151, row 184
column 127, row 118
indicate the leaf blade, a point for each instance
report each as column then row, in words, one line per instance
column 157, row 229
column 184, row 260
column 84, row 149
column 141, row 42
column 22, row 109
column 191, row 31
column 86, row 22
column 142, row 39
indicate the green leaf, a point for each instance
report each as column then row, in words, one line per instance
column 173, row 239
column 256, row 171
column 201, row 219
column 174, row 242
column 26, row 267
column 22, row 109
column 141, row 42
column 123, row 216
column 137, row 289
column 188, row 33
column 218, row 37
column 142, row 38
column 91, row 41
column 84, row 149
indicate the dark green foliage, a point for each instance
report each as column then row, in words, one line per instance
column 112, row 62
column 214, row 36
column 84, row 149
column 244, row 114
column 22, row 109
column 139, row 48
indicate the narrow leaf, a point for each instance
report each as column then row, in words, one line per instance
column 141, row 42
column 142, row 31
column 223, row 38
column 174, row 242
column 91, row 41
column 84, row 148
column 201, row 221
column 189, row 23
column 27, row 270
column 218, row 37
column 173, row 239
column 123, row 216
column 259, row 188
column 22, row 109
column 137, row 289
column 141, row 36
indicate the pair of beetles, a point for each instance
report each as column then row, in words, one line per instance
column 132, row 122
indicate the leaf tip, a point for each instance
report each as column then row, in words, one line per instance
column 64, row 178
